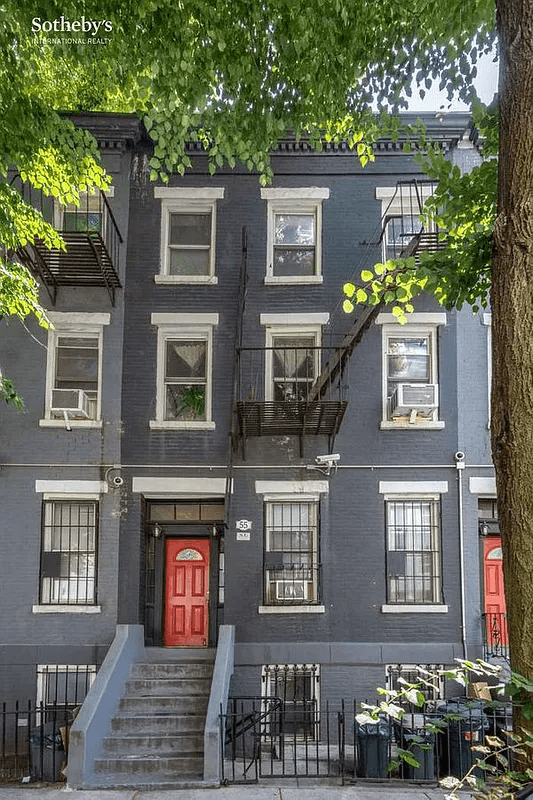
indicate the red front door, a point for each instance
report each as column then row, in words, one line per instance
column 186, row 592
column 494, row 591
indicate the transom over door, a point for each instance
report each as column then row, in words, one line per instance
column 186, row 592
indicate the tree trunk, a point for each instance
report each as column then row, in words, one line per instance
column 512, row 308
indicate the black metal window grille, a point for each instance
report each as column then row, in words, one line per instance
column 185, row 379
column 427, row 677
column 61, row 688
column 291, row 553
column 413, row 551
column 294, row 244
column 68, row 557
column 297, row 686
column 294, row 366
column 76, row 373
column 189, row 243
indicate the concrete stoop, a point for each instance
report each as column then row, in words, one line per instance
column 157, row 733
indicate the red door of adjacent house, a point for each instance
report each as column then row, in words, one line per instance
column 494, row 591
column 186, row 592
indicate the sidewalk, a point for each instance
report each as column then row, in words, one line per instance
column 287, row 791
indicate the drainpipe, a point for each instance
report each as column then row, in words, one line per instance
column 460, row 465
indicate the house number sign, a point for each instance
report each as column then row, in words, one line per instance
column 243, row 528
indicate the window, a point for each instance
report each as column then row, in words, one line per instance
column 184, row 363
column 292, row 356
column 294, row 234
column 87, row 217
column 410, row 372
column 413, row 551
column 297, row 686
column 291, row 553
column 61, row 688
column 429, row 678
column 74, row 370
column 188, row 234
column 68, row 556
column 401, row 208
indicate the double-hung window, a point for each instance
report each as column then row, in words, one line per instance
column 184, row 366
column 188, row 234
column 68, row 553
column 74, row 369
column 410, row 394
column 413, row 550
column 294, row 234
column 291, row 553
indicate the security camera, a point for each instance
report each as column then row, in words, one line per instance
column 328, row 460
column 459, row 456
column 117, row 481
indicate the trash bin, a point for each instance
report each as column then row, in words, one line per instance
column 463, row 733
column 421, row 744
column 373, row 749
column 47, row 753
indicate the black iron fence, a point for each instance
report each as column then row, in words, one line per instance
column 496, row 635
column 261, row 740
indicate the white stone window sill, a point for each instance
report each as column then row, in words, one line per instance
column 72, row 609
column 209, row 280
column 73, row 423
column 427, row 425
column 292, row 609
column 414, row 609
column 280, row 280
column 175, row 425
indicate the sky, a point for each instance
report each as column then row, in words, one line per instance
column 486, row 84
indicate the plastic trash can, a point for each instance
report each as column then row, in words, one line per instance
column 373, row 749
column 47, row 754
column 462, row 734
column 421, row 744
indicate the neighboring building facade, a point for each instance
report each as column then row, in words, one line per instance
column 171, row 470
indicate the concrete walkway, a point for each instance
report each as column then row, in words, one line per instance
column 292, row 791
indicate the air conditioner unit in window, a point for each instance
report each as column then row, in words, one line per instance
column 407, row 398
column 71, row 403
column 291, row 590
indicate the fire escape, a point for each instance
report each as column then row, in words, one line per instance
column 295, row 388
column 91, row 237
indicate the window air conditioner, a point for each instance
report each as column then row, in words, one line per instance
column 71, row 403
column 422, row 398
column 291, row 590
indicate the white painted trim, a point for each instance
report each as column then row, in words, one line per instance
column 301, row 193
column 416, row 318
column 413, row 487
column 291, row 331
column 89, row 326
column 487, row 318
column 414, row 609
column 295, row 320
column 73, row 423
column 423, row 425
column 292, row 487
column 183, row 319
column 291, row 609
column 486, row 486
column 189, row 192
column 388, row 192
column 187, row 205
column 177, row 424
column 71, row 487
column 70, row 319
column 414, row 330
column 208, row 280
column 280, row 280
column 183, row 326
column 180, row 487
column 70, row 609
column 75, row 497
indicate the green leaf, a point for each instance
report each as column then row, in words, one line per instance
column 366, row 275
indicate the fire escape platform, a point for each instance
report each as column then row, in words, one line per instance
column 287, row 418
